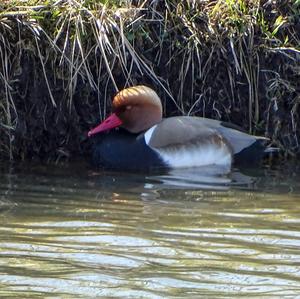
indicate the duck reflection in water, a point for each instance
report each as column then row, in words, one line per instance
column 209, row 178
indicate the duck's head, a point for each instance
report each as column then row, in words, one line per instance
column 136, row 109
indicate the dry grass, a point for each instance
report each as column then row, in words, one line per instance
column 61, row 61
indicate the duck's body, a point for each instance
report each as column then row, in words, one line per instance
column 122, row 150
column 150, row 142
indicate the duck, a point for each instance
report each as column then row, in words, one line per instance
column 137, row 137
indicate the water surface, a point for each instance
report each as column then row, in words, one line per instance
column 70, row 232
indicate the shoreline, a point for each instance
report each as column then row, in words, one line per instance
column 61, row 64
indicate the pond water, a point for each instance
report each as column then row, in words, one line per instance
column 71, row 232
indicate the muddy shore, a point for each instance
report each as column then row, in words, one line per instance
column 60, row 67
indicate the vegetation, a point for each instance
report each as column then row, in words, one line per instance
column 62, row 61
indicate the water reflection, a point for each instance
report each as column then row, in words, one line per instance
column 212, row 178
column 73, row 233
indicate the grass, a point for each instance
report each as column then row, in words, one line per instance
column 62, row 61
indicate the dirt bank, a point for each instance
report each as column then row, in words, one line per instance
column 61, row 63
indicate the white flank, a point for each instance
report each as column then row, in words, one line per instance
column 195, row 155
column 148, row 134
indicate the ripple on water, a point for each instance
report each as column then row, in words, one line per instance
column 72, row 233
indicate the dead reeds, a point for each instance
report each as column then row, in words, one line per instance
column 61, row 62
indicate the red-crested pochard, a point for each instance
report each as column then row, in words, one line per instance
column 146, row 141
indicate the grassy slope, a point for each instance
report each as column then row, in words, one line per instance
column 62, row 61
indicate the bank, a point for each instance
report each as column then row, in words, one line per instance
column 61, row 62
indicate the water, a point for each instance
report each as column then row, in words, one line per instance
column 70, row 232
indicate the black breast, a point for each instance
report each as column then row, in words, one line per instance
column 119, row 149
